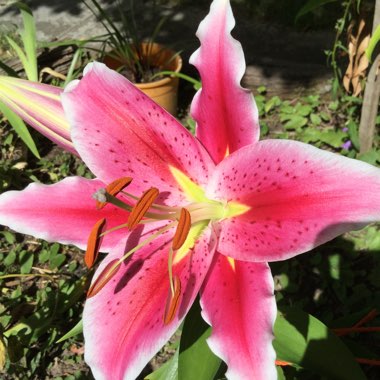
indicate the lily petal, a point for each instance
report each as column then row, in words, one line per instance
column 124, row 323
column 109, row 116
column 221, row 64
column 238, row 302
column 40, row 106
column 299, row 197
column 64, row 212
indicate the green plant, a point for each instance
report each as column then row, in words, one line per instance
column 372, row 43
column 124, row 41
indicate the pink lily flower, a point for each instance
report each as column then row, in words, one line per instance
column 215, row 208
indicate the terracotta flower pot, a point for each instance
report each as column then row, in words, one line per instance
column 163, row 91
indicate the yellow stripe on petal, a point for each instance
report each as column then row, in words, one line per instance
column 44, row 112
column 231, row 261
column 23, row 85
column 234, row 209
column 194, row 234
column 193, row 192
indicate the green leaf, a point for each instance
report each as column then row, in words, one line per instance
column 280, row 373
column 333, row 106
column 9, row 237
column 168, row 371
column 287, row 109
column 372, row 43
column 196, row 360
column 26, row 261
column 335, row 264
column 275, row 101
column 261, row 89
column 10, row 72
column 19, row 126
column 295, row 122
column 315, row 119
column 325, row 116
column 333, row 138
column 28, row 36
column 20, row 53
column 44, row 256
column 14, row 350
column 76, row 330
column 304, row 109
column 330, row 137
column 310, row 135
column 10, row 258
column 264, row 129
column 310, row 6
column 353, row 133
column 305, row 341
column 371, row 157
column 57, row 261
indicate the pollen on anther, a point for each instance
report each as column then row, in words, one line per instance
column 93, row 243
column 173, row 301
column 141, row 207
column 105, row 276
column 183, row 228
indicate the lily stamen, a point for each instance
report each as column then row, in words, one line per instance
column 169, row 209
column 113, row 266
column 142, row 206
column 172, row 302
column 181, row 218
column 93, row 243
column 102, row 196
column 105, row 276
column 183, row 228
column 180, row 236
column 115, row 188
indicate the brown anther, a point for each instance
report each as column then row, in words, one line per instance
column 141, row 207
column 172, row 302
column 350, row 330
column 282, row 363
column 105, row 276
column 183, row 228
column 373, row 362
column 114, row 188
column 367, row 318
column 93, row 243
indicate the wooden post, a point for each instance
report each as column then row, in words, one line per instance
column 371, row 96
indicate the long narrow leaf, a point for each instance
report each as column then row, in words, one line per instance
column 168, row 371
column 29, row 37
column 76, row 330
column 305, row 341
column 372, row 43
column 196, row 360
column 8, row 70
column 310, row 6
column 70, row 72
column 21, row 55
column 104, row 15
column 20, row 128
column 196, row 83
